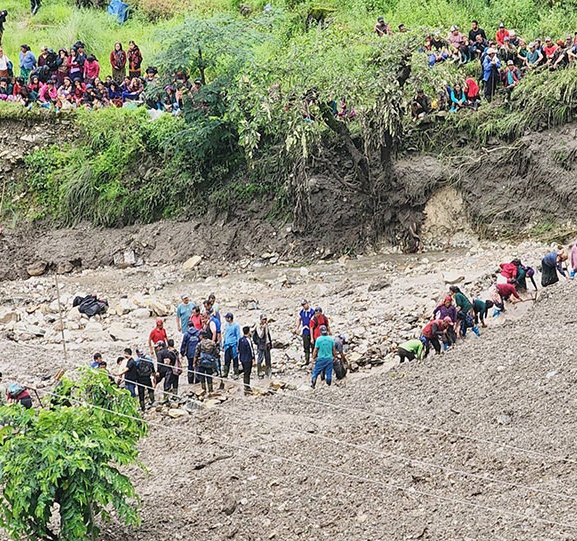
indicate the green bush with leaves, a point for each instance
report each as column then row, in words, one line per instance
column 59, row 467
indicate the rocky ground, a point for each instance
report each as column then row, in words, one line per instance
column 475, row 444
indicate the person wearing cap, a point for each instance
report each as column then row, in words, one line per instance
column 434, row 332
column 549, row 50
column 319, row 319
column 230, row 341
column 411, row 350
column 512, row 76
column 304, row 329
column 421, row 105
column 184, row 313
column 323, row 356
column 476, row 31
column 514, row 38
column 264, row 345
column 382, row 28
column 156, row 335
column 562, row 58
column 534, row 57
column 491, row 66
column 501, row 34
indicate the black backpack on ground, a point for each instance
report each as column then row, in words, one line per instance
column 340, row 369
column 144, row 367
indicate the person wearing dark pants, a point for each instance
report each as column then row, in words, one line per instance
column 166, row 359
column 34, row 6
column 304, row 329
column 206, row 360
column 144, row 370
column 323, row 357
column 246, row 358
column 411, row 350
column 188, row 349
column 231, row 339
column 434, row 332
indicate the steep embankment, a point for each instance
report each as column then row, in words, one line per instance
column 522, row 188
column 475, row 444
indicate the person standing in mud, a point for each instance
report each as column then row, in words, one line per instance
column 205, row 361
column 304, row 329
column 263, row 342
column 246, row 358
column 165, row 361
column 230, row 341
column 319, row 319
column 158, row 334
column 323, row 356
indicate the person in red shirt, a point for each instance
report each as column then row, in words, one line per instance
column 158, row 334
column 434, row 332
column 508, row 290
column 196, row 319
column 317, row 320
column 501, row 34
column 509, row 271
column 549, row 49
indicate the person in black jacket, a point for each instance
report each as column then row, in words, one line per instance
column 3, row 15
column 246, row 358
column 190, row 340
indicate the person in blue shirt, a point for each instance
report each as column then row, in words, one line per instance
column 323, row 356
column 231, row 339
column 491, row 66
column 97, row 359
column 246, row 358
column 303, row 329
column 183, row 313
column 27, row 62
column 552, row 264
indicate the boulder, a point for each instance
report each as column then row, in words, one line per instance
column 141, row 313
column 453, row 277
column 74, row 314
column 122, row 334
column 37, row 268
column 192, row 262
column 158, row 308
column 8, row 316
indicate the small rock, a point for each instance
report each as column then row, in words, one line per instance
column 8, row 316
column 176, row 413
column 37, row 269
column 453, row 277
column 141, row 313
column 504, row 419
column 192, row 262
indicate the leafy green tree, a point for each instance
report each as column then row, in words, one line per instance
column 59, row 466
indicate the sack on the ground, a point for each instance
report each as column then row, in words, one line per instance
column 340, row 369
column 90, row 305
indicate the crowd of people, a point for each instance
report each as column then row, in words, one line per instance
column 70, row 78
column 457, row 313
column 503, row 60
column 211, row 348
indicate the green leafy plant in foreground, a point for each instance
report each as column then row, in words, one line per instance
column 59, row 466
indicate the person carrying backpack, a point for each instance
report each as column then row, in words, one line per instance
column 319, row 319
column 145, row 370
column 190, row 340
column 206, row 361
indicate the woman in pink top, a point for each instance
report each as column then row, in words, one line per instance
column 91, row 69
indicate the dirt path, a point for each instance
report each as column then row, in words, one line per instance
column 386, row 454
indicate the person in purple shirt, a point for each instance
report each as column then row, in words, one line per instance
column 304, row 329
column 448, row 309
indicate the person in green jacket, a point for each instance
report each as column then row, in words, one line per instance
column 465, row 313
column 481, row 308
column 411, row 350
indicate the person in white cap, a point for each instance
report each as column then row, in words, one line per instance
column 183, row 313
column 491, row 66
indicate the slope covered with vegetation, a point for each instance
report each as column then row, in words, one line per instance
column 262, row 64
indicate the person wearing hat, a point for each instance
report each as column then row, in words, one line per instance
column 382, row 28
column 340, row 364
column 534, row 57
column 549, row 50
column 512, row 76
column 156, row 335
column 434, row 333
column 323, row 356
column 231, row 338
column 501, row 34
column 304, row 329
column 491, row 66
column 184, row 313
column 165, row 361
column 319, row 319
column 263, row 341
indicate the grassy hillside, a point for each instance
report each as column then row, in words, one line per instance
column 262, row 66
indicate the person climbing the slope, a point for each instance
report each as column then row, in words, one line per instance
column 552, row 266
column 411, row 350
column 434, row 332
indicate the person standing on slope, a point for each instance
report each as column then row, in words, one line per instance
column 304, row 329
column 323, row 356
